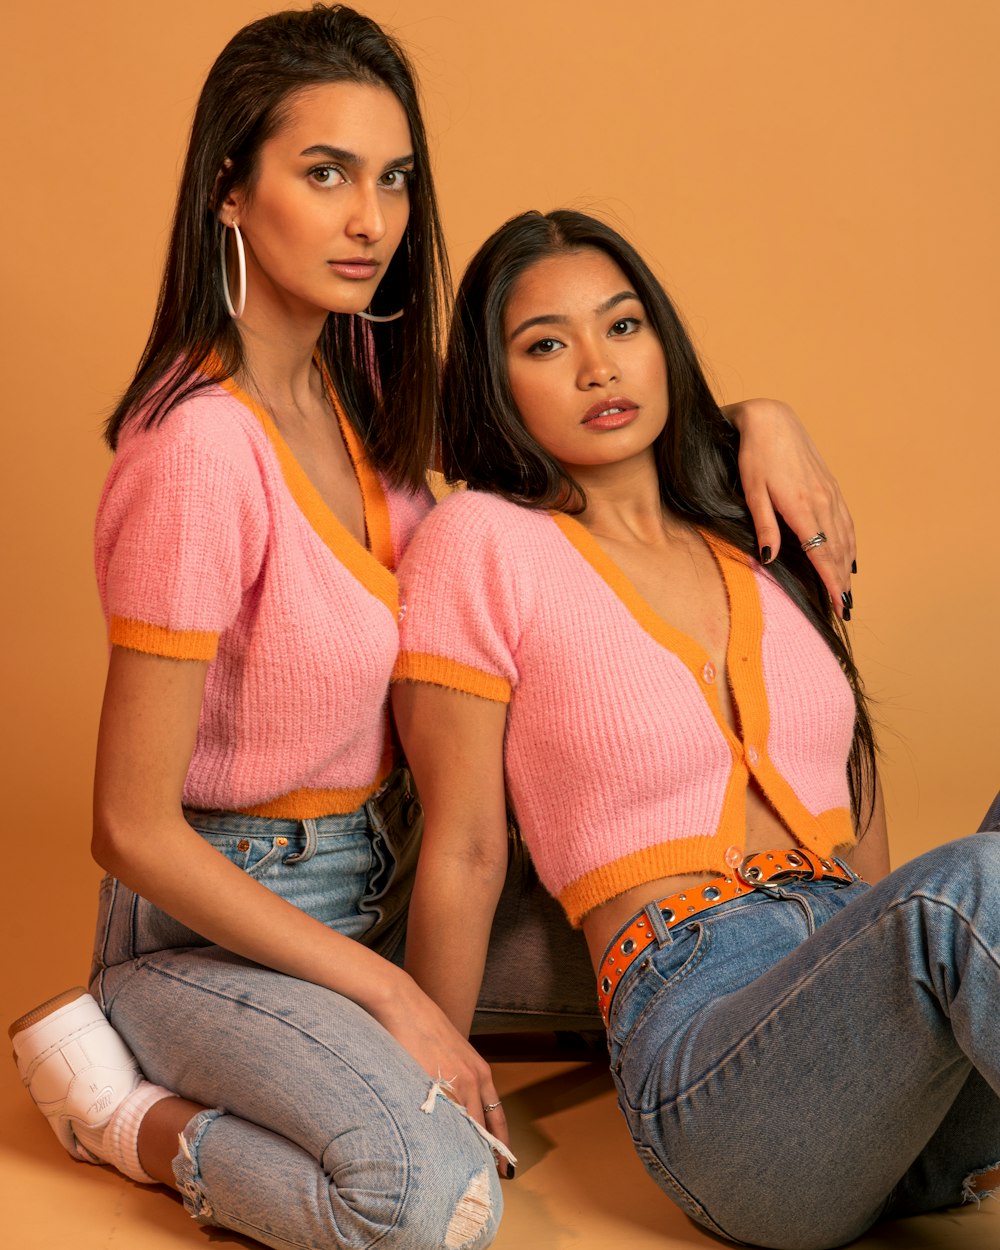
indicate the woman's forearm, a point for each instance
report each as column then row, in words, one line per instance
column 168, row 863
column 148, row 728
column 448, row 931
column 454, row 745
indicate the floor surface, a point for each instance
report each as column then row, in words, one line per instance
column 579, row 1187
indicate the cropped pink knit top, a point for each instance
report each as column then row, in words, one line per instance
column 212, row 544
column 619, row 763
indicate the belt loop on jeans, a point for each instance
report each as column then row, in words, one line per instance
column 658, row 929
column 398, row 781
column 756, row 870
column 312, row 842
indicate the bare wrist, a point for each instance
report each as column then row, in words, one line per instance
column 747, row 410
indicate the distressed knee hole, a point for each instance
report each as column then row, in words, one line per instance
column 470, row 1216
column 980, row 1185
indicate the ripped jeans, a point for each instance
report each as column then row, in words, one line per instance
column 322, row 1141
column 800, row 1062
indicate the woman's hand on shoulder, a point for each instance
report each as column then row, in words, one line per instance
column 783, row 472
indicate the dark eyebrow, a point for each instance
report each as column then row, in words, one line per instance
column 554, row 319
column 351, row 158
column 614, row 301
column 549, row 320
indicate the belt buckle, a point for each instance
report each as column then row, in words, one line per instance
column 797, row 865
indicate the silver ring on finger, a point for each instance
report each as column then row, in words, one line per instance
column 491, row 1106
column 817, row 540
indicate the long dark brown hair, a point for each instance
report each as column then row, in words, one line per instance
column 485, row 444
column 386, row 375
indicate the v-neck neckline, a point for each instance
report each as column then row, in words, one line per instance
column 371, row 564
column 746, row 626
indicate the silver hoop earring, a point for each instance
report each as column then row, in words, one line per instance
column 241, row 257
column 374, row 317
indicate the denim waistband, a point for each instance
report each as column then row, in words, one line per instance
column 271, row 826
column 396, row 785
column 665, row 935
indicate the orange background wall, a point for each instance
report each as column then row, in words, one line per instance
column 817, row 184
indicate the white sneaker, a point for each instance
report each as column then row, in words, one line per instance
column 74, row 1064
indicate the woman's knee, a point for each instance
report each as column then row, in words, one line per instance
column 959, row 874
column 978, row 852
column 445, row 1205
column 432, row 1193
column 475, row 1217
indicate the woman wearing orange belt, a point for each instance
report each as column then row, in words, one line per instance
column 590, row 640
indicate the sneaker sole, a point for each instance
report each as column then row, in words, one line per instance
column 45, row 1009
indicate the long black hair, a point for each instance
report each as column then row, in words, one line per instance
column 485, row 444
column 385, row 375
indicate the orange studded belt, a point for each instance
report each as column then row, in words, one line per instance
column 757, row 869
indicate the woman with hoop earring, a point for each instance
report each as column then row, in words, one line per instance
column 247, row 1042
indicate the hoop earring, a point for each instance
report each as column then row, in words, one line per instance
column 235, row 312
column 374, row 316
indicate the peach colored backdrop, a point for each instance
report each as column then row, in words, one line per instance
column 816, row 183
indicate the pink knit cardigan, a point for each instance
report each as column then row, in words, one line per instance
column 213, row 545
column 620, row 765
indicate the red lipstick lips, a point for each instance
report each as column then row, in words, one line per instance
column 610, row 414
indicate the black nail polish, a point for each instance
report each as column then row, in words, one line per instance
column 847, row 614
column 854, row 566
column 511, row 1172
column 847, row 599
column 765, row 555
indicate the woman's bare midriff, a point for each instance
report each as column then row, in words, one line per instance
column 765, row 831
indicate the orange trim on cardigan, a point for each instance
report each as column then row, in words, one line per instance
column 676, row 858
column 313, row 804
column 439, row 671
column 821, row 833
column 308, row 804
column 664, row 859
column 174, row 644
column 376, row 506
column 357, row 559
column 741, row 590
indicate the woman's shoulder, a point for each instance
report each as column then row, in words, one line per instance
column 208, row 447
column 205, row 432
column 475, row 545
column 481, row 512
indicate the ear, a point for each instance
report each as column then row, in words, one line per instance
column 228, row 209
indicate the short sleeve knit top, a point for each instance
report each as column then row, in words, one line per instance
column 619, row 763
column 212, row 544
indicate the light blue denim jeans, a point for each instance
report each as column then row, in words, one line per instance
column 803, row 1061
column 316, row 1137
